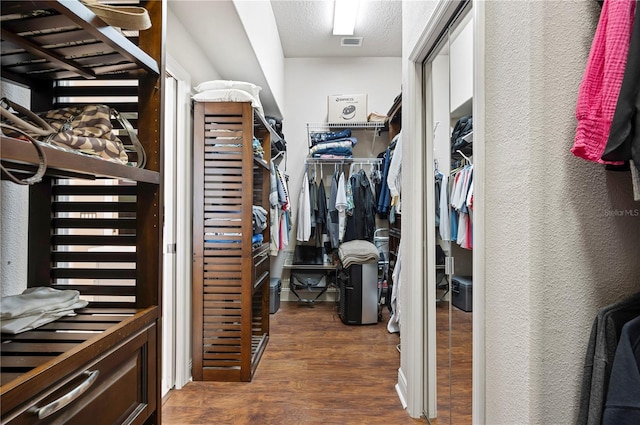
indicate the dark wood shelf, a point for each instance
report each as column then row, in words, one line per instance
column 16, row 154
column 88, row 337
column 56, row 39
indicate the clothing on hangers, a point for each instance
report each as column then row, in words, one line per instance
column 341, row 206
column 304, row 213
column 600, row 354
column 394, row 176
column 623, row 143
column 361, row 223
column 332, row 213
column 279, row 210
column 384, row 197
column 622, row 405
column 601, row 82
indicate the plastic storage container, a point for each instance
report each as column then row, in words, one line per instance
column 462, row 292
column 275, row 287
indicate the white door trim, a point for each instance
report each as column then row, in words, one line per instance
column 416, row 388
column 183, row 225
column 479, row 173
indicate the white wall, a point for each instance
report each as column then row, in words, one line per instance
column 308, row 82
column 219, row 24
column 182, row 48
column 555, row 249
column 14, row 202
column 260, row 25
column 577, row 257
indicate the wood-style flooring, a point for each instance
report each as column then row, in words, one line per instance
column 454, row 365
column 315, row 370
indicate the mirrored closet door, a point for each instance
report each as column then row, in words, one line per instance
column 448, row 165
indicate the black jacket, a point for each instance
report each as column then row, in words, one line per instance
column 361, row 224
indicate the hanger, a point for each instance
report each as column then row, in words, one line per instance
column 465, row 157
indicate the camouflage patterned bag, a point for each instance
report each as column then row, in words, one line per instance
column 86, row 128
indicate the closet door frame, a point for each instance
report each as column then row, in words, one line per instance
column 184, row 212
column 412, row 392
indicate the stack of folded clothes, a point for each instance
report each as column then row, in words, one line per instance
column 358, row 252
column 335, row 144
column 36, row 307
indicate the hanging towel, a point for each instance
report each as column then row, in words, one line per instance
column 36, row 307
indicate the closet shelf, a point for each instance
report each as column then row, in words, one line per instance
column 325, row 126
column 21, row 155
column 311, row 160
column 52, row 40
column 329, row 126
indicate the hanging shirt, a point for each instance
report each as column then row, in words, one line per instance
column 394, row 177
column 384, row 199
column 341, row 206
column 361, row 224
column 274, row 212
column 624, row 136
column 304, row 211
column 332, row 213
column 602, row 79
column 445, row 218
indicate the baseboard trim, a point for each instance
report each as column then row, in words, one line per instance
column 401, row 388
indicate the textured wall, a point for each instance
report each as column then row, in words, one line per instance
column 556, row 251
column 14, row 202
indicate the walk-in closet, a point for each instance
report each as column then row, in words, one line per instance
column 427, row 215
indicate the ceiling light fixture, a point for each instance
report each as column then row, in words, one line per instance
column 345, row 13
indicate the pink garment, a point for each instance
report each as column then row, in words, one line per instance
column 602, row 79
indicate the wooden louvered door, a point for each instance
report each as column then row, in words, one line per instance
column 226, row 341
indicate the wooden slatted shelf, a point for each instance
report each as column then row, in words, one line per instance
column 22, row 354
column 76, row 44
column 16, row 152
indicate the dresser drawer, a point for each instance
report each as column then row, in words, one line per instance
column 261, row 267
column 115, row 388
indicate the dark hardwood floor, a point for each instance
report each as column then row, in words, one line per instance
column 454, row 365
column 315, row 370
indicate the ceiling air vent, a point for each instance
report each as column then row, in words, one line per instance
column 351, row 41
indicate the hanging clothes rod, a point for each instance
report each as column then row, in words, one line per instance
column 363, row 161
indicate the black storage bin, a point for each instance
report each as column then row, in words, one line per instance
column 275, row 287
column 462, row 292
column 359, row 295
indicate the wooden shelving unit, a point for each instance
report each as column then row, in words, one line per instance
column 230, row 272
column 103, row 240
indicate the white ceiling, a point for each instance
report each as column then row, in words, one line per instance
column 305, row 28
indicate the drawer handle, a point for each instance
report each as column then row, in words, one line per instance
column 261, row 260
column 58, row 404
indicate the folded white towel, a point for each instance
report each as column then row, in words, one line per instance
column 36, row 307
column 358, row 252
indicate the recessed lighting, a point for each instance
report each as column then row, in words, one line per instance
column 345, row 13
